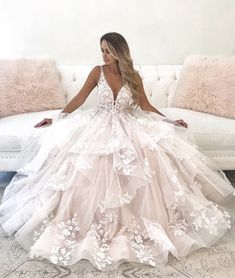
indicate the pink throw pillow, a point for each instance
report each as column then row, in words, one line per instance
column 29, row 85
column 207, row 84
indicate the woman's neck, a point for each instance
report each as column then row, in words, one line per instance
column 114, row 68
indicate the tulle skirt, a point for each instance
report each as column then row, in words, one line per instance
column 114, row 187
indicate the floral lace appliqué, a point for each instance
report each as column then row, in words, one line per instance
column 58, row 181
column 178, row 199
column 203, row 220
column 125, row 198
column 127, row 162
column 179, row 227
column 101, row 256
column 106, row 102
column 177, row 221
column 136, row 240
column 108, row 215
column 148, row 172
column 45, row 223
column 65, row 241
column 82, row 163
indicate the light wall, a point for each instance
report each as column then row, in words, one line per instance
column 158, row 31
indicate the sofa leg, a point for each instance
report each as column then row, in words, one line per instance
column 230, row 174
column 5, row 178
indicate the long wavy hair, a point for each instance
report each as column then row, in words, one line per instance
column 119, row 49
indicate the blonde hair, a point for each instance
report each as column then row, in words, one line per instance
column 119, row 49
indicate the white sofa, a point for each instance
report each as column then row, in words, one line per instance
column 215, row 136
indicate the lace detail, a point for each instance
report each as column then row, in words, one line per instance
column 106, row 102
column 65, row 241
column 204, row 220
column 45, row 223
column 178, row 199
column 180, row 226
column 79, row 146
column 161, row 131
column 207, row 217
column 158, row 235
column 58, row 181
column 141, row 242
column 136, row 239
column 82, row 163
column 114, row 141
column 101, row 256
column 148, row 171
column 145, row 122
column 108, row 215
column 125, row 198
column 177, row 222
column 127, row 162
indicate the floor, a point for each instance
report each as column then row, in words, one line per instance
column 218, row 261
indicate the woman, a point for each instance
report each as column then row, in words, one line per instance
column 116, row 183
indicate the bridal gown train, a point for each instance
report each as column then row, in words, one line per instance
column 115, row 184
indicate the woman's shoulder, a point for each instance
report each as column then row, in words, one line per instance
column 95, row 72
column 96, row 68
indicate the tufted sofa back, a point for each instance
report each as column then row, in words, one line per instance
column 159, row 82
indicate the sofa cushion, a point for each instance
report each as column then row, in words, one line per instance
column 205, row 130
column 29, row 85
column 16, row 129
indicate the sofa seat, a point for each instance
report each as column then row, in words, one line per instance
column 16, row 128
column 215, row 136
column 15, row 131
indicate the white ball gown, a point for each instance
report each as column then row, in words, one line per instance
column 115, row 184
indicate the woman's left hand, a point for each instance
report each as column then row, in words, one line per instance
column 181, row 123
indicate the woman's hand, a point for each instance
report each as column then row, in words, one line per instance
column 181, row 123
column 44, row 122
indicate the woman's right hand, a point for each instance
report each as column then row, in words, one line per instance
column 44, row 122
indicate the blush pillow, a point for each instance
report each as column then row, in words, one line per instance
column 207, row 84
column 30, row 85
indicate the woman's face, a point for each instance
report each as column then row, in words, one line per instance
column 107, row 57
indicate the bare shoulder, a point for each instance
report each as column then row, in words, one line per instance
column 96, row 68
column 95, row 73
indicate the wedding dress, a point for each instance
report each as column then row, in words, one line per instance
column 114, row 184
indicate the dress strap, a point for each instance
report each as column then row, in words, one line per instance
column 101, row 69
column 101, row 73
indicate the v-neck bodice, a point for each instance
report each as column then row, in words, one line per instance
column 106, row 98
column 115, row 94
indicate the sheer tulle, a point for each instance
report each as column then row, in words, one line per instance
column 114, row 184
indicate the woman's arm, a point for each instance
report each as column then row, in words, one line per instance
column 77, row 101
column 82, row 95
column 145, row 105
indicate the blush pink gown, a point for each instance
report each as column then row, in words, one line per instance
column 115, row 184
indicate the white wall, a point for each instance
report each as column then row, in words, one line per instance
column 158, row 31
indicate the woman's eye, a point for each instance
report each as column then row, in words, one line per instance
column 105, row 51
